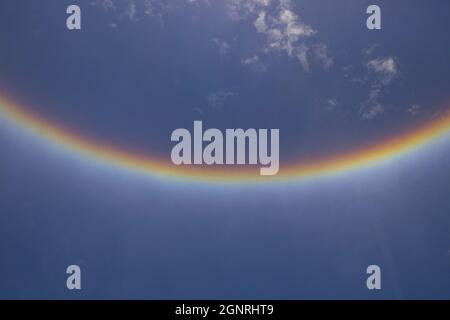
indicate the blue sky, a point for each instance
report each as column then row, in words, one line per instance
column 140, row 69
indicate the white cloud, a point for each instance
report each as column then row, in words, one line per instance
column 384, row 68
column 370, row 112
column 156, row 8
column 281, row 28
column 414, row 110
column 254, row 63
column 371, row 107
column 367, row 52
column 151, row 7
column 223, row 46
column 241, row 9
column 260, row 23
column 198, row 110
column 331, row 105
column 217, row 100
column 130, row 11
column 383, row 65
column 285, row 32
column 379, row 74
column 321, row 54
column 303, row 57
column 106, row 4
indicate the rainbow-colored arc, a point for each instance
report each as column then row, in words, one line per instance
column 334, row 164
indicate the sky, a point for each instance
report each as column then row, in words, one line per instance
column 137, row 70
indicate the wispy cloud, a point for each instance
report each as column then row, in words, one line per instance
column 414, row 110
column 260, row 22
column 222, row 45
column 285, row 32
column 382, row 72
column 218, row 99
column 282, row 29
column 321, row 55
column 130, row 11
column 370, row 111
column 379, row 74
column 384, row 68
column 330, row 105
column 241, row 9
column 254, row 63
column 107, row 5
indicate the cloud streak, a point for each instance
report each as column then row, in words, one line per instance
column 382, row 72
column 282, row 29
